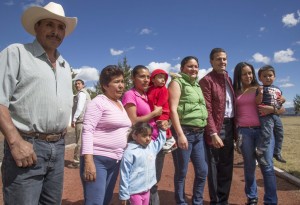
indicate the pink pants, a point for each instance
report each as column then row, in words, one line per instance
column 140, row 199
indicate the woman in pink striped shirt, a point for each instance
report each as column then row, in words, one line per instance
column 104, row 138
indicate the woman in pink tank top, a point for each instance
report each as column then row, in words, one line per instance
column 248, row 129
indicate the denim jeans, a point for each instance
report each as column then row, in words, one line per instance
column 41, row 183
column 100, row 191
column 250, row 138
column 271, row 125
column 159, row 163
column 220, row 166
column 196, row 152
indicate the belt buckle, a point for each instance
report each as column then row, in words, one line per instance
column 53, row 137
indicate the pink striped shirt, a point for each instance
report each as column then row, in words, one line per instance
column 246, row 110
column 105, row 128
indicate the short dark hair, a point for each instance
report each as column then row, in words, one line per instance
column 215, row 50
column 185, row 60
column 136, row 69
column 139, row 128
column 82, row 82
column 108, row 73
column 237, row 76
column 266, row 68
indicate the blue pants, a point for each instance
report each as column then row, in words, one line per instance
column 271, row 125
column 100, row 192
column 250, row 138
column 196, row 153
column 220, row 166
column 38, row 184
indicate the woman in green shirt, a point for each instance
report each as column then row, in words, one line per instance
column 188, row 115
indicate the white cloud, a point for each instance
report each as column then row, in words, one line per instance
column 289, row 104
column 204, row 72
column 290, row 20
column 284, row 56
column 164, row 66
column 130, row 48
column 149, row 48
column 86, row 73
column 145, row 31
column 92, row 88
column 176, row 59
column 284, row 80
column 297, row 42
column 261, row 29
column 34, row 3
column 115, row 52
column 286, row 85
column 259, row 58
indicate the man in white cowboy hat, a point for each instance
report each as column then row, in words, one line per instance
column 35, row 106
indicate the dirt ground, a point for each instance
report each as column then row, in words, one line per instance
column 288, row 194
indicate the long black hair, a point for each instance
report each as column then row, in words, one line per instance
column 237, row 76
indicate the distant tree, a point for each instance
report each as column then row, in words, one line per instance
column 97, row 91
column 73, row 75
column 127, row 73
column 297, row 104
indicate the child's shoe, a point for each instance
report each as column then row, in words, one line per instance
column 261, row 158
column 279, row 158
column 169, row 143
column 167, row 151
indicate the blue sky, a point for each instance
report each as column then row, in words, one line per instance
column 159, row 33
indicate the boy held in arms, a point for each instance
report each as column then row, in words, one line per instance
column 158, row 96
column 268, row 94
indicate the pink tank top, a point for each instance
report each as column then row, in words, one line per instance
column 247, row 113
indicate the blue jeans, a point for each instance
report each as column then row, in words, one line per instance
column 250, row 138
column 271, row 125
column 100, row 191
column 196, row 152
column 39, row 184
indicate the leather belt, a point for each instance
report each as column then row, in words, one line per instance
column 250, row 127
column 48, row 137
column 192, row 128
column 227, row 120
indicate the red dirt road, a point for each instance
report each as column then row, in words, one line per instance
column 288, row 194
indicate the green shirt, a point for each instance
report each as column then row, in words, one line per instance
column 191, row 107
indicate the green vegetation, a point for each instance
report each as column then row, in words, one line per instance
column 297, row 104
column 291, row 144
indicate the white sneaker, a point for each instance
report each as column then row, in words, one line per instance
column 167, row 151
column 169, row 143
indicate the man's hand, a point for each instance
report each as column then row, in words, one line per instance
column 73, row 124
column 23, row 153
column 217, row 141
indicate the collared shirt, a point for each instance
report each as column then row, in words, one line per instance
column 38, row 96
column 81, row 96
column 229, row 111
column 132, row 96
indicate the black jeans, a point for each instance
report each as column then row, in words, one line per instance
column 220, row 166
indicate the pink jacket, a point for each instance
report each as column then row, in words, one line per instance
column 214, row 91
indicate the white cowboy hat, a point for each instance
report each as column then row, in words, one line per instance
column 51, row 11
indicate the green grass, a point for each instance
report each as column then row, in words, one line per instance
column 291, row 146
